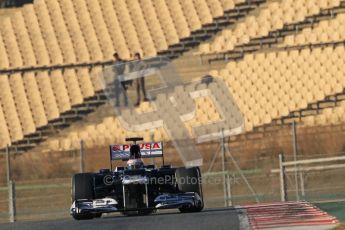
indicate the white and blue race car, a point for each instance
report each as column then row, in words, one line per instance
column 136, row 189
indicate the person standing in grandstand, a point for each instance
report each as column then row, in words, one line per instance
column 139, row 66
column 120, row 84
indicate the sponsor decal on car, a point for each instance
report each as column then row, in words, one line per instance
column 147, row 150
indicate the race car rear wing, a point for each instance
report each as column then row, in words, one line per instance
column 147, row 150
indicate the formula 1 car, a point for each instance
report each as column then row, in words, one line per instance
column 136, row 189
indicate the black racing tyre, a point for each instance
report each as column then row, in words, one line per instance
column 83, row 216
column 130, row 213
column 83, row 188
column 97, row 215
column 146, row 212
column 189, row 180
column 138, row 213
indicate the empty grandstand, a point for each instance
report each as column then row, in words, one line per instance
column 281, row 60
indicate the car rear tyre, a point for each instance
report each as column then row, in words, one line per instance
column 189, row 180
column 82, row 188
column 97, row 215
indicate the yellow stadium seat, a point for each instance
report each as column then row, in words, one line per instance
column 215, row 8
column 5, row 138
column 10, row 41
column 89, row 33
column 271, row 17
column 85, row 83
column 22, row 104
column 48, row 33
column 165, row 17
column 114, row 28
column 324, row 32
column 203, row 10
column 10, row 110
column 100, row 28
column 35, row 100
column 33, row 29
column 125, row 21
column 96, row 73
column 47, row 94
column 23, row 39
column 60, row 91
column 154, row 25
column 73, row 88
column 142, row 30
column 73, row 27
column 228, row 4
column 191, row 15
column 62, row 35
column 4, row 62
column 178, row 18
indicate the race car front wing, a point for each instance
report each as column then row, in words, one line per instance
column 164, row 201
column 104, row 205
column 167, row 201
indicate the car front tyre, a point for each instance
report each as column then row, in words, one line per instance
column 82, row 188
column 193, row 177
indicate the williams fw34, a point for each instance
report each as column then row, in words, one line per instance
column 136, row 189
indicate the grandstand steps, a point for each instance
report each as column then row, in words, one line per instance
column 6, row 12
column 341, row 97
column 77, row 112
column 312, row 109
column 209, row 30
column 22, row 146
column 91, row 104
column 206, row 32
column 275, row 37
column 34, row 138
column 282, row 123
column 305, row 112
column 31, row 140
column 326, row 104
column 27, row 143
column 282, row 133
column 191, row 67
column 67, row 118
column 187, row 66
column 103, row 111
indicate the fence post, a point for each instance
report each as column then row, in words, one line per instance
column 294, row 145
column 8, row 165
column 242, row 175
column 223, row 171
column 10, row 187
column 12, row 201
column 301, row 178
column 283, row 196
column 81, row 156
column 229, row 195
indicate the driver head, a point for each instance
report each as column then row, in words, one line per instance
column 135, row 152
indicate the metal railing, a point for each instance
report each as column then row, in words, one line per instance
column 50, row 198
column 297, row 167
column 228, row 180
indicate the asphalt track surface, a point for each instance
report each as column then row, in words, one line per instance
column 208, row 219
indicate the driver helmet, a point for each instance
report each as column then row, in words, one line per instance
column 135, row 161
column 134, row 152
